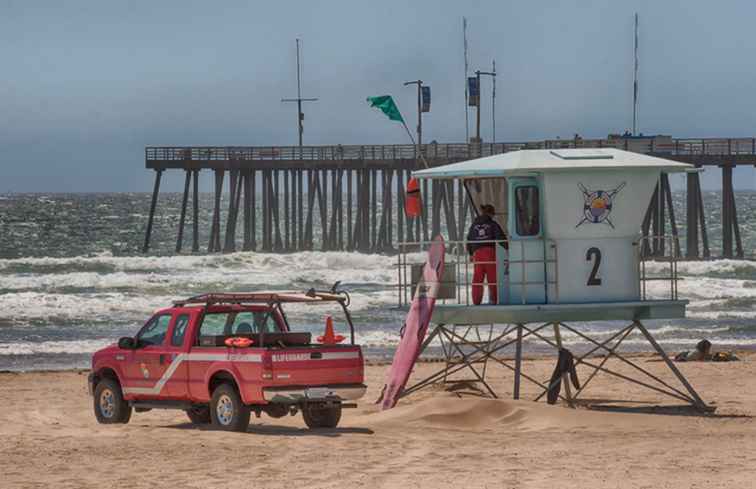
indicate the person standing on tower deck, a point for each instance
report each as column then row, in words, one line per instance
column 481, row 245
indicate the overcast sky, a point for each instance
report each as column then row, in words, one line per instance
column 85, row 85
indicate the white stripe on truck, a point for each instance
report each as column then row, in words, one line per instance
column 191, row 357
column 234, row 357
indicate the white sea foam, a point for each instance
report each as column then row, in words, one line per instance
column 53, row 347
column 104, row 288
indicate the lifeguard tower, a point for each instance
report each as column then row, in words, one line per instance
column 575, row 255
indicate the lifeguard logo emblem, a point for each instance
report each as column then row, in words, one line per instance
column 597, row 205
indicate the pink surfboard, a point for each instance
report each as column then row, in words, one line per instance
column 416, row 325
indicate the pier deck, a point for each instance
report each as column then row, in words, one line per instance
column 338, row 185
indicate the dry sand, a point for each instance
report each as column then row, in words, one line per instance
column 433, row 439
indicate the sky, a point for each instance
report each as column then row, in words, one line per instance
column 86, row 85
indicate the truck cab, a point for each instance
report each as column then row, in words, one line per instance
column 220, row 357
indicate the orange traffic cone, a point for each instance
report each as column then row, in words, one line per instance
column 329, row 338
column 413, row 203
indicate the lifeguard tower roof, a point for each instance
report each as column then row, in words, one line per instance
column 525, row 162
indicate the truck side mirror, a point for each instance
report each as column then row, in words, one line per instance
column 127, row 343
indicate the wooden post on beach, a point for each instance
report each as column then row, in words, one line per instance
column 286, row 192
column 229, row 244
column 253, row 220
column 195, row 212
column 691, row 221
column 248, row 210
column 182, row 219
column 373, row 209
column 702, row 219
column 671, row 208
column 726, row 211
column 349, row 245
column 214, row 244
column 155, row 191
column 400, row 206
column 300, row 210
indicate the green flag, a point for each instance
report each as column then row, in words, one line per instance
column 387, row 105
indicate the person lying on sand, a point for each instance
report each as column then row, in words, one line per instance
column 702, row 353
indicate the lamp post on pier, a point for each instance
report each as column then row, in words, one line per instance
column 423, row 105
column 492, row 74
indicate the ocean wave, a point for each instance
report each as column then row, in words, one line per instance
column 741, row 269
column 53, row 347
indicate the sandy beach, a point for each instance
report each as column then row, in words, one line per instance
column 433, row 439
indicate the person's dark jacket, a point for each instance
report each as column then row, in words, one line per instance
column 484, row 228
column 565, row 364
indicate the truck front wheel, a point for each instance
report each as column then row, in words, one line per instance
column 227, row 411
column 319, row 415
column 109, row 406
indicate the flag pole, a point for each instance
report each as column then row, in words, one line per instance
column 409, row 133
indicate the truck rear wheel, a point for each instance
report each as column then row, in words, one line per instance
column 109, row 406
column 321, row 415
column 227, row 411
column 199, row 414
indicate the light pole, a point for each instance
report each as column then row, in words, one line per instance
column 419, row 84
column 477, row 117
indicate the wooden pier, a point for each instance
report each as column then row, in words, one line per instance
column 356, row 193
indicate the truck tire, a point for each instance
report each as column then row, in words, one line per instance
column 199, row 414
column 227, row 411
column 109, row 406
column 321, row 416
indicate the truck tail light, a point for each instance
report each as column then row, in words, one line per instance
column 267, row 367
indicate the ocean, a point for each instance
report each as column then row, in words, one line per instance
column 72, row 280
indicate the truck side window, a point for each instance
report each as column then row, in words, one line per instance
column 179, row 330
column 527, row 211
column 249, row 322
column 153, row 333
column 214, row 324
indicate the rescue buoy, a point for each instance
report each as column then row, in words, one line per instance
column 238, row 342
column 413, row 203
column 329, row 338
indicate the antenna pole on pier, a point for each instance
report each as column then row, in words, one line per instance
column 635, row 78
column 493, row 104
column 467, row 120
column 299, row 99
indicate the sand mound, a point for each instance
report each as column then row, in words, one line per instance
column 451, row 412
column 476, row 414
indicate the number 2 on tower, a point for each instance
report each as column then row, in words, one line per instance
column 594, row 254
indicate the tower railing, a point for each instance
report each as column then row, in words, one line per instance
column 457, row 280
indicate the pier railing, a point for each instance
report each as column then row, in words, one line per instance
column 447, row 152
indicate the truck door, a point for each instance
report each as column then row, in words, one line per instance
column 172, row 359
column 145, row 371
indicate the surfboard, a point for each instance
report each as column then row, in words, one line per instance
column 415, row 325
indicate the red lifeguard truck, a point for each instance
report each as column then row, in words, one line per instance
column 220, row 357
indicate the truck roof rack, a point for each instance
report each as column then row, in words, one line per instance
column 269, row 297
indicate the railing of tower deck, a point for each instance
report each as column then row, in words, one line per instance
column 411, row 257
column 661, row 272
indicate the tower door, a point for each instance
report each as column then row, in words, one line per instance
column 526, row 280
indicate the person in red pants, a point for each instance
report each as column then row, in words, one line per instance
column 480, row 244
